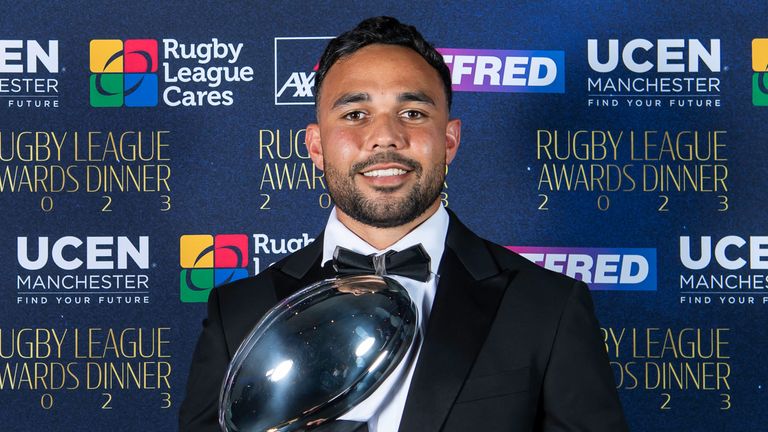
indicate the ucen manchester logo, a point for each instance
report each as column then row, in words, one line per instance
column 123, row 73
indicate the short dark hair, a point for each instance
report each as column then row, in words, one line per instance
column 382, row 30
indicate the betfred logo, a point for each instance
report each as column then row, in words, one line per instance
column 760, row 75
column 295, row 67
column 209, row 261
column 616, row 269
column 123, row 73
column 512, row 71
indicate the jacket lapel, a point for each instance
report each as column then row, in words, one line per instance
column 301, row 269
column 469, row 290
column 470, row 287
column 245, row 307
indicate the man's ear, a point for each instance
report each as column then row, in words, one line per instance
column 452, row 139
column 314, row 145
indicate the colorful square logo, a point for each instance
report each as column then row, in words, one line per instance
column 209, row 261
column 123, row 73
column 760, row 69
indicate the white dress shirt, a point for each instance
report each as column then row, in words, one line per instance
column 383, row 409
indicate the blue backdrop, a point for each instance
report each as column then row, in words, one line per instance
column 621, row 143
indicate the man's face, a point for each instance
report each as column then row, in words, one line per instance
column 383, row 136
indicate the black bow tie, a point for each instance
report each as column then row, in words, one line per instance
column 412, row 263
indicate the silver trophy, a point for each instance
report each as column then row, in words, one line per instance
column 317, row 354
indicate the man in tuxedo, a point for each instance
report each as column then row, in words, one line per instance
column 507, row 345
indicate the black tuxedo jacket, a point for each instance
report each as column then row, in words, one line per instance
column 509, row 346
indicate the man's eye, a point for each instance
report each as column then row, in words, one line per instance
column 354, row 115
column 413, row 115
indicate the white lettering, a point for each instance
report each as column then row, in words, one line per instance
column 57, row 253
column 6, row 56
column 671, row 56
column 23, row 255
column 613, row 56
column 627, row 55
column 685, row 253
column 487, row 66
column 606, row 264
column 98, row 253
column 550, row 67
column 514, row 71
column 723, row 259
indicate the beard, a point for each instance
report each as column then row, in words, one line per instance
column 385, row 210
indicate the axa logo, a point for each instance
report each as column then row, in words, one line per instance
column 300, row 84
column 615, row 269
column 209, row 261
column 295, row 67
column 760, row 69
column 123, row 73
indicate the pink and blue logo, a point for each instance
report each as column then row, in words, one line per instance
column 208, row 261
column 510, row 71
column 123, row 73
column 614, row 269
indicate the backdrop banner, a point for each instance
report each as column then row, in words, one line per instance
column 150, row 152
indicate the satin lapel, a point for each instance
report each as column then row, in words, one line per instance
column 300, row 269
column 246, row 306
column 461, row 315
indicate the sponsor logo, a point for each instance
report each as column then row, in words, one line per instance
column 30, row 66
column 616, row 269
column 295, row 67
column 727, row 270
column 72, row 270
column 150, row 72
column 760, row 69
column 727, row 253
column 676, row 73
column 123, row 73
column 208, row 261
column 512, row 71
column 212, row 79
column 472, row 70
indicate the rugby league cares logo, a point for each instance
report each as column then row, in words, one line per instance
column 123, row 73
column 209, row 261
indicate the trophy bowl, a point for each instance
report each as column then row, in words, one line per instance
column 317, row 354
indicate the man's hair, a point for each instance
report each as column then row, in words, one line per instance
column 382, row 30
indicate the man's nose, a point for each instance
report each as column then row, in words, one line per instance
column 386, row 133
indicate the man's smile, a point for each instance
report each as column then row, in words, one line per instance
column 384, row 172
column 386, row 175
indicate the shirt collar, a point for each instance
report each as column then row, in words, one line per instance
column 430, row 233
